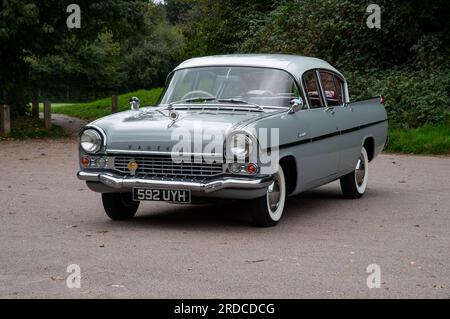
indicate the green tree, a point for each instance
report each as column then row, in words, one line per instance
column 176, row 9
column 80, row 69
column 218, row 27
column 148, row 56
column 336, row 31
column 30, row 29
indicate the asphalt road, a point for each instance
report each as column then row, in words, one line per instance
column 321, row 248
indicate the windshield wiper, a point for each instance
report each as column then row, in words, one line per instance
column 195, row 99
column 205, row 99
column 237, row 101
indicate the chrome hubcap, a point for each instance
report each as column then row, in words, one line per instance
column 274, row 194
column 360, row 171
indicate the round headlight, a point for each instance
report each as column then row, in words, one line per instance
column 91, row 141
column 241, row 145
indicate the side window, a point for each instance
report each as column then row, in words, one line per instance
column 312, row 89
column 332, row 87
column 339, row 89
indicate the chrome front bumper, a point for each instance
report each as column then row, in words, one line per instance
column 207, row 185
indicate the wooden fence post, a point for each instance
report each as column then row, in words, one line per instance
column 35, row 107
column 5, row 120
column 115, row 104
column 47, row 115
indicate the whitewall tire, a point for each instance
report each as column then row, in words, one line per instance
column 267, row 210
column 354, row 185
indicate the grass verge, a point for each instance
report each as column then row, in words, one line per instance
column 93, row 110
column 426, row 140
column 27, row 127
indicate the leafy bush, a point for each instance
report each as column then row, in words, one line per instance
column 413, row 98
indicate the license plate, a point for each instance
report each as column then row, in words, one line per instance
column 162, row 195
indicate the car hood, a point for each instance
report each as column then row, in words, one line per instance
column 151, row 130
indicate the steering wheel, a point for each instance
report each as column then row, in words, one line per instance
column 206, row 94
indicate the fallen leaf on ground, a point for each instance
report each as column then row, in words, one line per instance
column 439, row 286
column 254, row 261
column 57, row 278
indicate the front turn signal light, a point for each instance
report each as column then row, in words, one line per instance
column 85, row 161
column 252, row 168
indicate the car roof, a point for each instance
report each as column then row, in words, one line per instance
column 294, row 64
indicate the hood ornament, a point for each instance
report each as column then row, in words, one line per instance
column 134, row 103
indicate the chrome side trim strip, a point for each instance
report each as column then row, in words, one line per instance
column 321, row 137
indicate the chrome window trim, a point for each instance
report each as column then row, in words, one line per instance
column 319, row 88
column 334, row 74
column 322, row 91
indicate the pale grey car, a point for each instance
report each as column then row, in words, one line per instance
column 314, row 135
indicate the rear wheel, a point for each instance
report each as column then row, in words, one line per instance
column 354, row 184
column 119, row 206
column 267, row 210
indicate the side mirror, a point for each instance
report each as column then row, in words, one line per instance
column 134, row 103
column 296, row 105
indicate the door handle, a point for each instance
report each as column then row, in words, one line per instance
column 330, row 110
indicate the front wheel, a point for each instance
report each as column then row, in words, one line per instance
column 354, row 184
column 267, row 210
column 119, row 206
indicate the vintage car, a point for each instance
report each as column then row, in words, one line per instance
column 255, row 128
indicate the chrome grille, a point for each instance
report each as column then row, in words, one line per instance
column 165, row 166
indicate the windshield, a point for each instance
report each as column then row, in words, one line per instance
column 260, row 86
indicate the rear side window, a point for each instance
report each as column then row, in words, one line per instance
column 333, row 88
column 339, row 89
column 312, row 89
